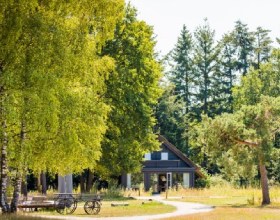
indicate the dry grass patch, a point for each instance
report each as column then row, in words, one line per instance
column 227, row 196
column 230, row 213
column 231, row 203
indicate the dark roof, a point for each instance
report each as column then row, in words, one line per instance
column 182, row 156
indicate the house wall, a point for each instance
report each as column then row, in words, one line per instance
column 176, row 163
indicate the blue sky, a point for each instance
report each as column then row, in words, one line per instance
column 168, row 16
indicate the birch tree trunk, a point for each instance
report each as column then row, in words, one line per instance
column 18, row 179
column 24, row 187
column 4, row 170
column 16, row 193
column 4, row 166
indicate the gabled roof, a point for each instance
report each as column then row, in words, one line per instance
column 182, row 156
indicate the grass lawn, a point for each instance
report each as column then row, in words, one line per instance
column 232, row 204
column 232, row 213
column 135, row 207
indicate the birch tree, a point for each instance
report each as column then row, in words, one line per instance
column 52, row 81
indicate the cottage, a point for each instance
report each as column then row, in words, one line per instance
column 166, row 168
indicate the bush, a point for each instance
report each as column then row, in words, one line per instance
column 113, row 191
column 218, row 181
column 202, row 183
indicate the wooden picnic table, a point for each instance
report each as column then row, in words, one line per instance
column 35, row 203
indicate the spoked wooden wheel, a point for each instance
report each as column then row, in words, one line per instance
column 66, row 205
column 92, row 207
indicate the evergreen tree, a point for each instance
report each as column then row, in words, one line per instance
column 248, row 132
column 181, row 73
column 171, row 119
column 225, row 75
column 262, row 47
column 205, row 65
column 178, row 98
column 243, row 41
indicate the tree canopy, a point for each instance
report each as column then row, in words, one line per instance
column 132, row 92
column 52, row 81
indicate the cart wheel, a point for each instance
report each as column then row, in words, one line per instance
column 65, row 205
column 92, row 207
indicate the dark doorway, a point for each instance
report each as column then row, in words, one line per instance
column 162, row 182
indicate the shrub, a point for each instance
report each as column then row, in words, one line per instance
column 218, row 181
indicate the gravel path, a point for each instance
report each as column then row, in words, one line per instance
column 183, row 208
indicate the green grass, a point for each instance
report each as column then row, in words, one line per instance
column 135, row 207
column 230, row 203
column 19, row 217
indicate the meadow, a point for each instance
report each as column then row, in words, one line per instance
column 230, row 203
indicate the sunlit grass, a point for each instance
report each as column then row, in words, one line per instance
column 135, row 207
column 226, row 196
column 230, row 213
column 230, row 203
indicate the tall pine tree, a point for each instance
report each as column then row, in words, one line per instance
column 205, row 65
column 243, row 40
column 176, row 102
column 262, row 47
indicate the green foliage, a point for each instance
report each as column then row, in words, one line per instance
column 264, row 81
column 246, row 136
column 53, row 81
column 203, row 182
column 243, row 40
column 205, row 64
column 181, row 74
column 262, row 47
column 206, row 80
column 175, row 104
column 171, row 118
column 241, row 171
column 132, row 92
column 218, row 181
column 274, row 167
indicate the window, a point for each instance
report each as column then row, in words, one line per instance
column 186, row 180
column 169, row 180
column 147, row 156
column 128, row 181
column 164, row 156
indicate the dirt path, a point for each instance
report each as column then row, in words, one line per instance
column 182, row 208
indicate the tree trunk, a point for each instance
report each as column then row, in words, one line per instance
column 38, row 183
column 43, row 183
column 16, row 194
column 264, row 184
column 89, row 181
column 18, row 179
column 24, row 187
column 82, row 182
column 4, row 171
